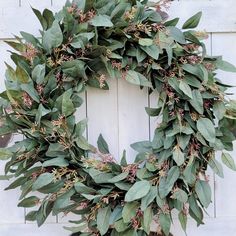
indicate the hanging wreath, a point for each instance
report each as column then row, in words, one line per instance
column 83, row 45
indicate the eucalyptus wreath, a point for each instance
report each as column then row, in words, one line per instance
column 83, row 45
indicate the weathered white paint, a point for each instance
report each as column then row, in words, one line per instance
column 218, row 15
column 225, row 188
column 119, row 113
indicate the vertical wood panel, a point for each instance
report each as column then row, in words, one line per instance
column 58, row 4
column 102, row 116
column 133, row 120
column 224, row 44
column 7, row 13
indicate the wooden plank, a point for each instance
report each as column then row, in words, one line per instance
column 24, row 18
column 224, row 44
column 218, row 16
column 58, row 4
column 133, row 120
column 102, row 116
column 5, row 57
column 7, row 11
column 32, row 230
column 213, row 226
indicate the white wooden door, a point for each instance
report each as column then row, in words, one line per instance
column 119, row 113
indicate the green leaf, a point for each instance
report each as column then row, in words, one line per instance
column 148, row 199
column 49, row 17
column 180, row 195
column 81, row 188
column 101, row 21
column 102, row 145
column 197, row 101
column 130, row 211
column 193, row 21
column 165, row 223
column 194, row 209
column 55, row 149
column 172, row 22
column 63, row 201
column 40, row 18
column 178, row 156
column 219, row 109
column 82, row 142
column 216, row 167
column 31, row 91
column 118, row 178
column 207, row 129
column 177, row 34
column 196, row 70
column 42, row 180
column 183, row 220
column 116, row 214
column 203, row 191
column 80, row 40
column 53, row 37
column 100, row 177
column 30, row 38
column 153, row 111
column 67, row 104
column 29, row 202
column 145, row 41
column 38, row 73
column 21, row 75
column 81, row 127
column 42, row 111
column 31, row 216
column 166, row 184
column 76, row 229
column 228, row 161
column 121, row 226
column 185, row 88
column 58, row 161
column 143, row 146
column 137, row 191
column 75, row 68
column 136, row 78
column 225, row 66
column 103, row 217
column 153, row 51
column 147, row 219
column 5, row 154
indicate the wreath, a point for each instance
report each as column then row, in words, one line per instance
column 83, row 45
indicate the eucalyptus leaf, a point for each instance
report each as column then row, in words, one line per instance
column 228, row 161
column 53, row 37
column 193, row 21
column 207, row 129
column 139, row 190
column 203, row 191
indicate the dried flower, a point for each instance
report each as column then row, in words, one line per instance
column 40, row 89
column 102, row 80
column 116, row 65
column 27, row 100
column 30, row 52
